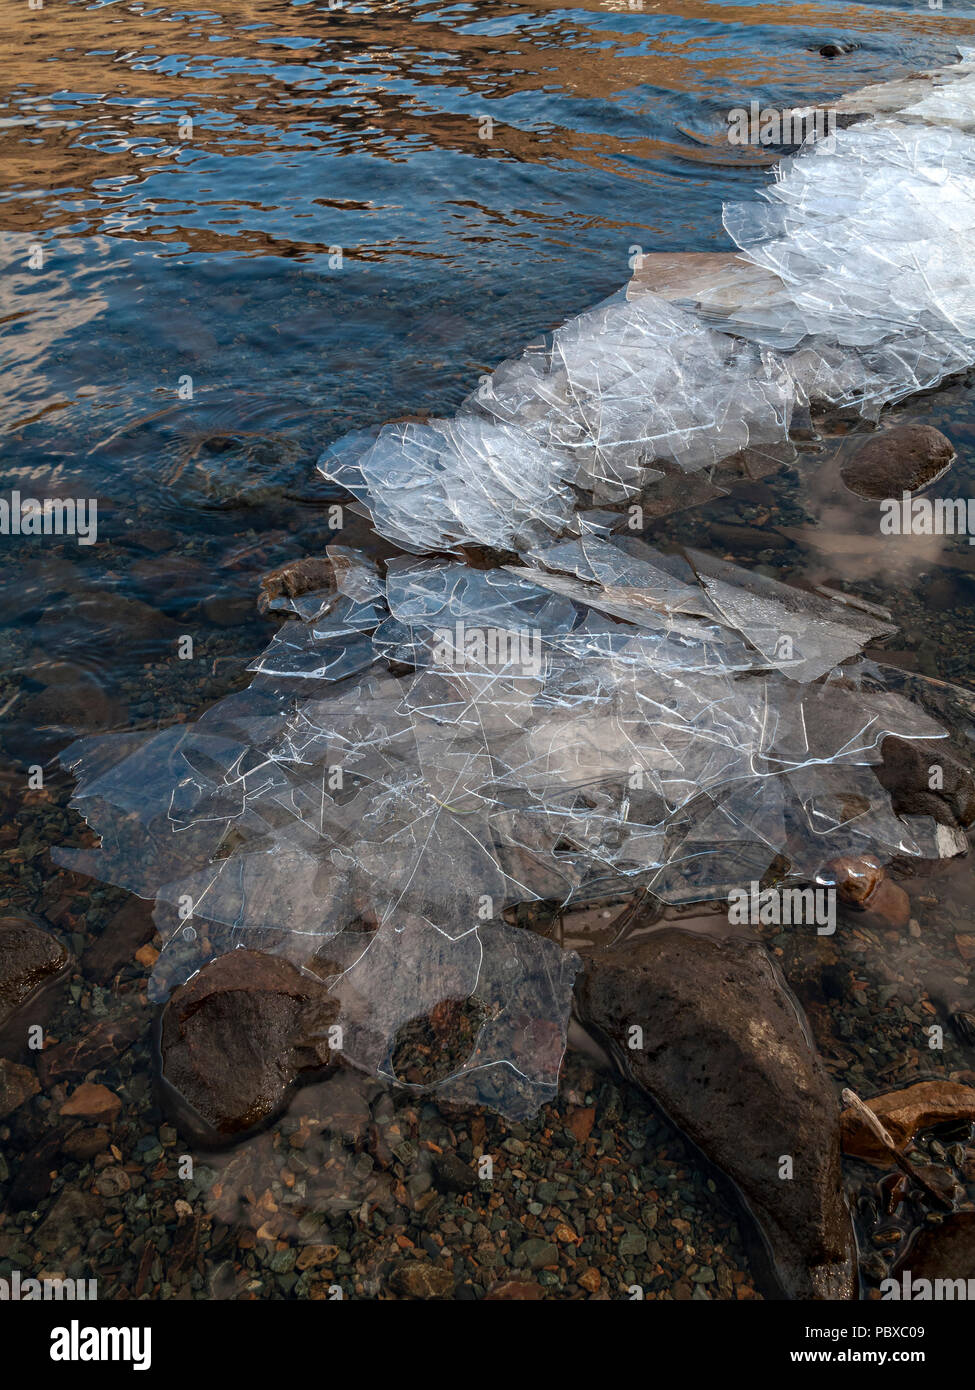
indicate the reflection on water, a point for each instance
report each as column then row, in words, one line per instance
column 233, row 233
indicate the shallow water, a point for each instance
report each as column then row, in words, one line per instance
column 211, row 258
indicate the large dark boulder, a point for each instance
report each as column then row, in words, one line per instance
column 238, row 1038
column 727, row 1055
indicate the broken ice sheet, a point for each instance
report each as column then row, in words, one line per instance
column 378, row 827
column 852, row 290
column 482, row 1016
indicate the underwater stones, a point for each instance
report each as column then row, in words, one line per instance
column 29, row 956
column 926, row 780
column 238, row 1037
column 79, row 705
column 92, row 1102
column 98, row 1046
column 17, row 1084
column 291, row 580
column 73, row 1217
column 725, row 1052
column 863, row 886
column 899, row 460
column 420, row 1279
column 903, row 1114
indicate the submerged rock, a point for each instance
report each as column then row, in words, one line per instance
column 238, row 1037
column 862, row 885
column 29, row 956
column 726, row 1054
column 17, row 1084
column 904, row 1114
column 946, row 1251
column 306, row 575
column 908, row 772
column 900, row 460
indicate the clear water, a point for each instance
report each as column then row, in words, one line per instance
column 333, row 244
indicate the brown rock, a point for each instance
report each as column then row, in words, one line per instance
column 579, row 1122
column 29, row 956
column 965, row 945
column 72, row 1218
column 908, row 770
column 237, row 1039
column 92, row 1102
column 888, row 907
column 903, row 1114
column 79, row 706
column 856, row 877
column 512, row 1290
column 726, row 1054
column 83, row 1144
column 17, row 1084
column 590, row 1279
column 420, row 1279
column 113, row 1181
column 863, row 886
column 129, row 929
column 898, row 460
column 303, row 576
column 946, row 1251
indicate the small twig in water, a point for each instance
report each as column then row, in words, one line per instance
column 884, row 1137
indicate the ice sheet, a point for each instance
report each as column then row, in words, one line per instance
column 854, row 288
column 637, row 726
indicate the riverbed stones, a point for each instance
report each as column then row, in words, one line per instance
column 421, row 1279
column 726, row 1053
column 126, row 931
column 17, row 1084
column 238, row 1038
column 899, row 460
column 945, row 1251
column 92, row 1102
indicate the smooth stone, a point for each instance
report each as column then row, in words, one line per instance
column 899, row 460
column 238, row 1038
column 727, row 1054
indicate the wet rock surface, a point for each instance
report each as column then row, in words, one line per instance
column 236, row 1039
column 899, row 460
column 29, row 957
column 927, row 780
column 17, row 1084
column 291, row 580
column 945, row 1251
column 726, row 1055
